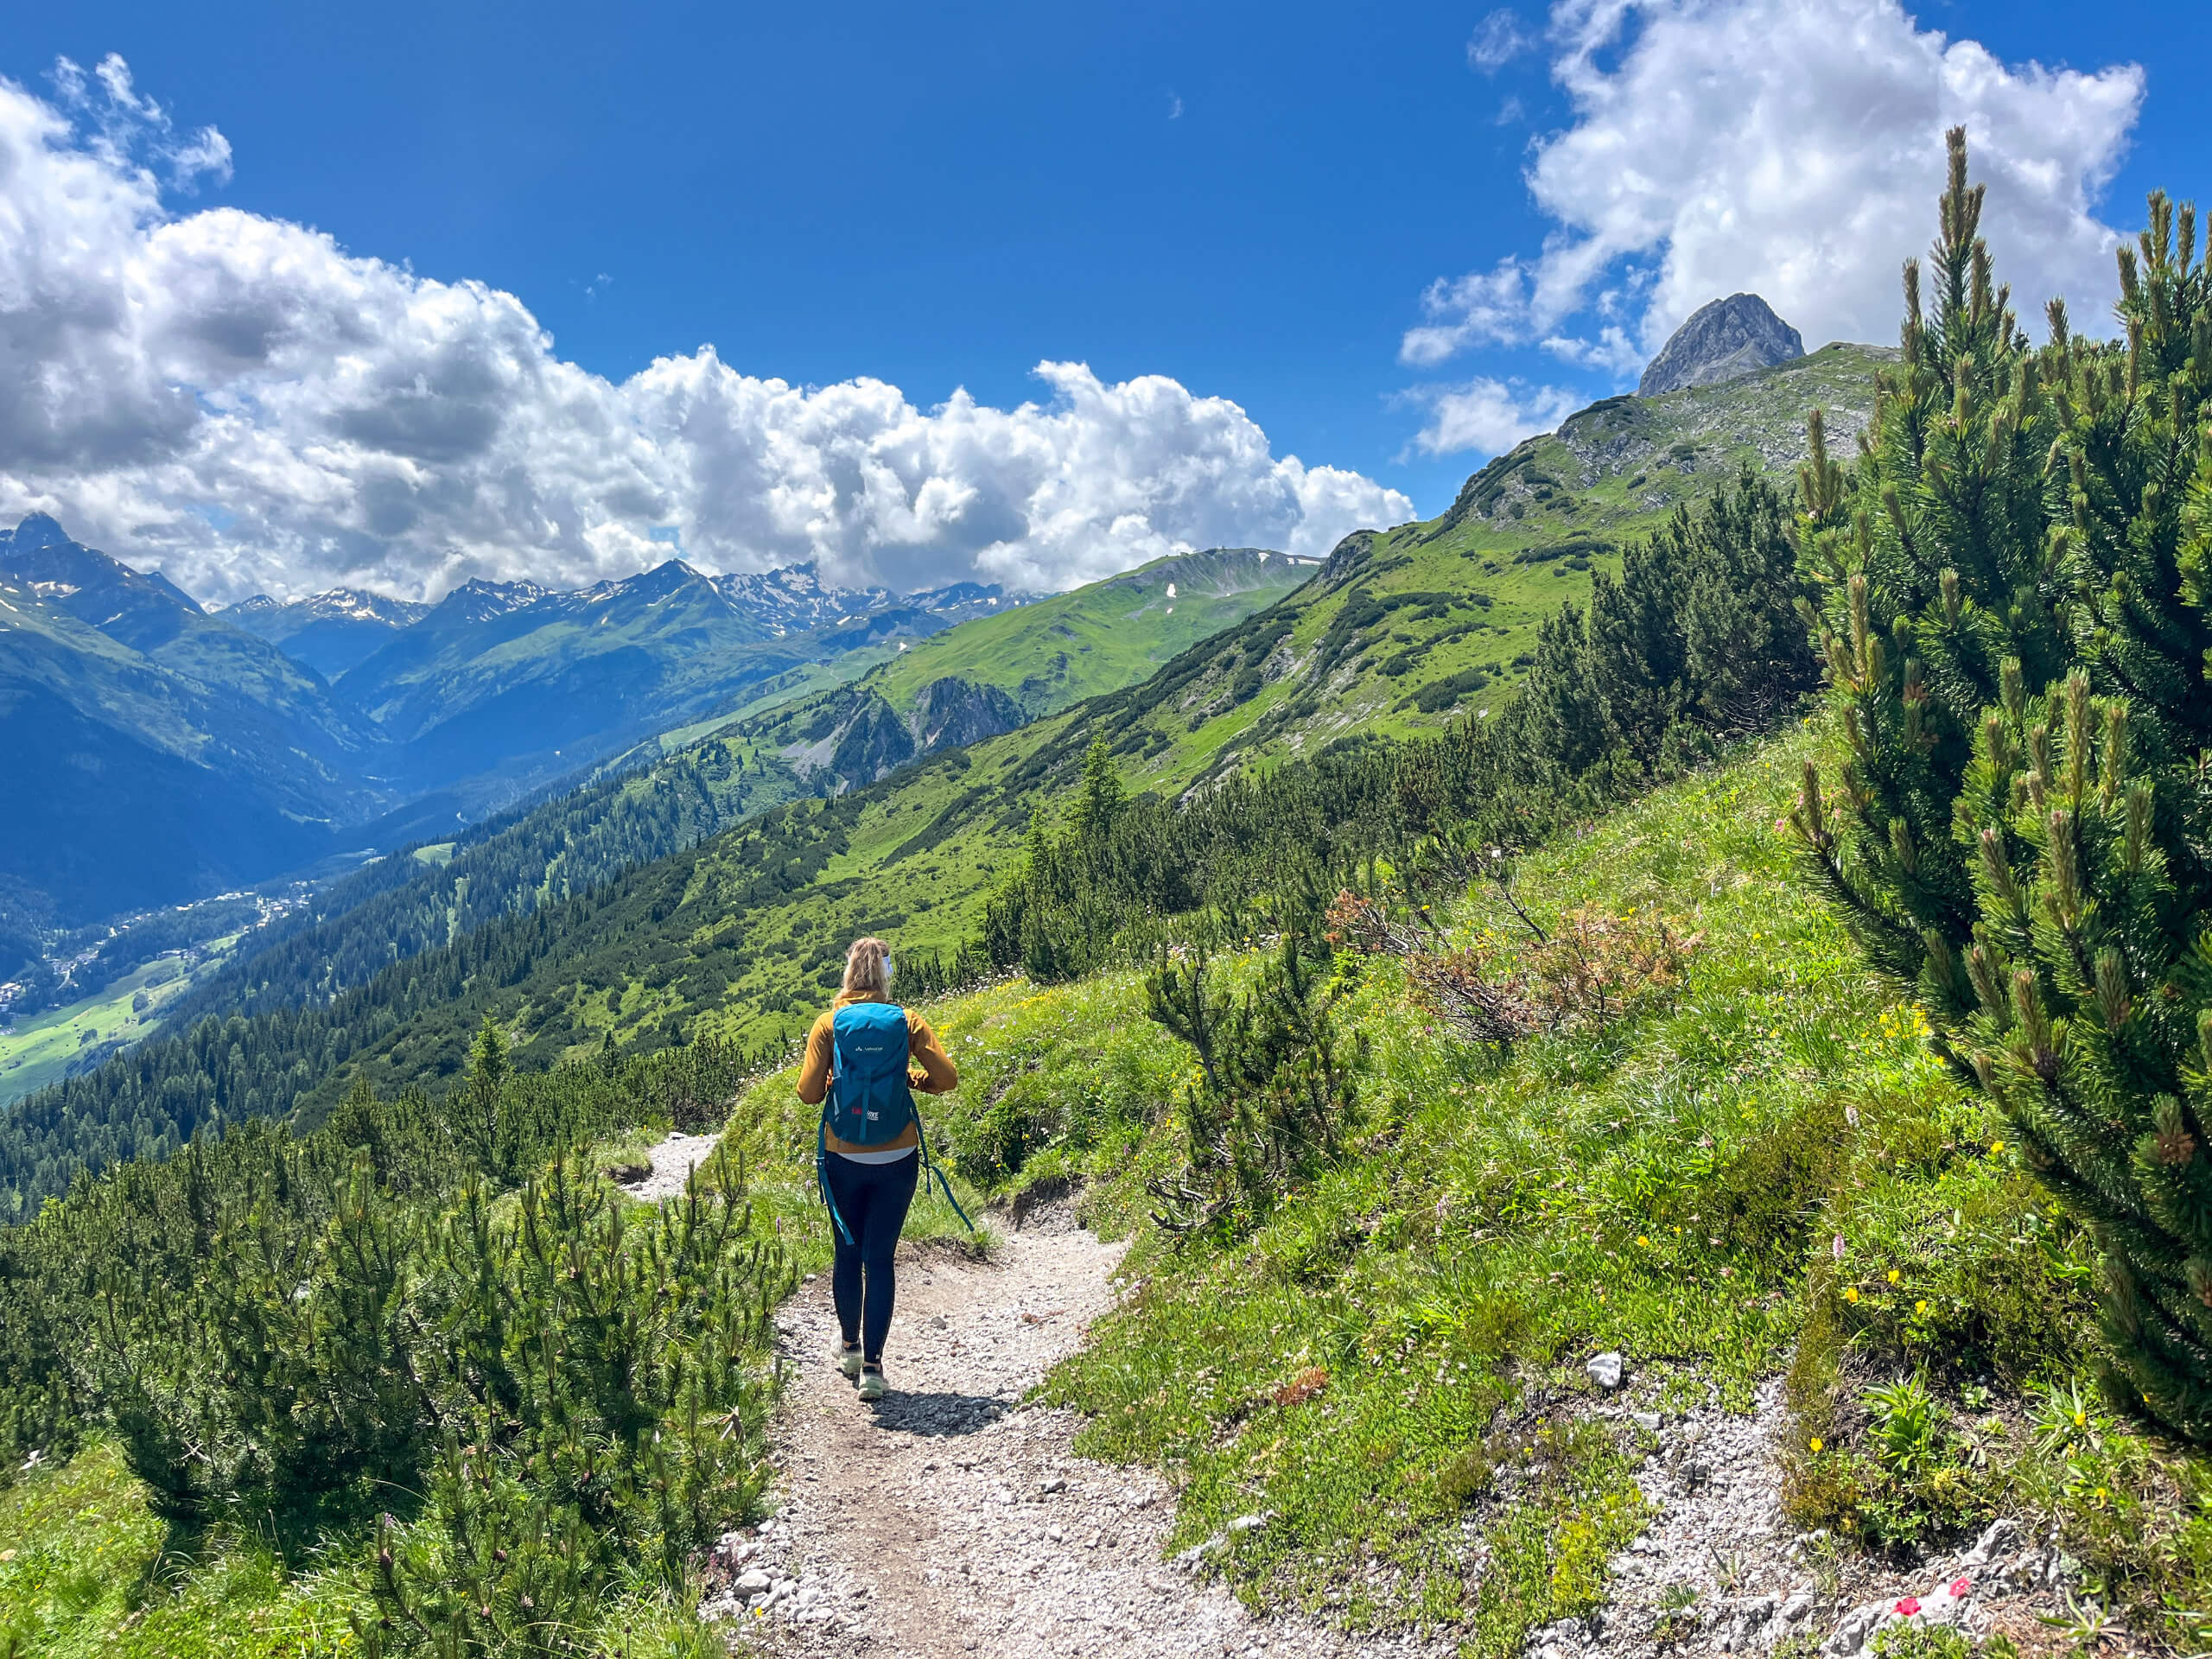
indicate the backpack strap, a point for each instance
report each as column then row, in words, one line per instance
column 822, row 1173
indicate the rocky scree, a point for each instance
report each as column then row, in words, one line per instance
column 1721, row 1570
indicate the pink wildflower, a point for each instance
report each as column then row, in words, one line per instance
column 1908, row 1605
column 1959, row 1588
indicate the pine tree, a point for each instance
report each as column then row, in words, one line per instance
column 487, row 1077
column 2013, row 614
column 1102, row 797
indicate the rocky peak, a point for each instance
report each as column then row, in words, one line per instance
column 1724, row 340
column 40, row 530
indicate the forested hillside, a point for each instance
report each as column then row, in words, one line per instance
column 741, row 937
column 434, row 895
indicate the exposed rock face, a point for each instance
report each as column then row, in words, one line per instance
column 1724, row 340
column 952, row 713
column 874, row 745
column 867, row 739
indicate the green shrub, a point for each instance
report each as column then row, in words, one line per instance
column 2014, row 580
column 1275, row 1090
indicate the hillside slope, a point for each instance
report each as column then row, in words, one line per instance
column 1804, row 1242
column 1001, row 672
column 1102, row 636
column 563, row 848
column 741, row 937
column 150, row 753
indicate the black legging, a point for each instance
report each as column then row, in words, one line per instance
column 873, row 1198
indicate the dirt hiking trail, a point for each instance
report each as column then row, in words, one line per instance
column 951, row 1519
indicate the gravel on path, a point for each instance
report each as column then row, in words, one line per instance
column 952, row 1519
column 674, row 1159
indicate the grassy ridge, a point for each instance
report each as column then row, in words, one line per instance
column 1102, row 636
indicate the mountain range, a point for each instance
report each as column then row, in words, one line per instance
column 710, row 881
column 155, row 752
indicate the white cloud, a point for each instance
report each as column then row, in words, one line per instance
column 1487, row 415
column 1794, row 149
column 1613, row 350
column 239, row 401
column 1481, row 308
column 122, row 123
column 1497, row 40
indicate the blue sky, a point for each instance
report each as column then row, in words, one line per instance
column 1249, row 199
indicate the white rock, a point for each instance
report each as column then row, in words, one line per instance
column 1999, row 1536
column 1189, row 1560
column 1858, row 1624
column 753, row 1581
column 1606, row 1370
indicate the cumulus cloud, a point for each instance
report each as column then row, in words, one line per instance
column 1490, row 416
column 1790, row 148
column 241, row 402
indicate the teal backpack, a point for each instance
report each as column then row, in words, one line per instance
column 870, row 1102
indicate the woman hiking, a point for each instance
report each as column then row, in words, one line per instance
column 866, row 1057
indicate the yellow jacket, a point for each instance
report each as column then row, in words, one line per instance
column 933, row 1071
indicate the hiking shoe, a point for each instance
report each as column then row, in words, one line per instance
column 873, row 1387
column 848, row 1358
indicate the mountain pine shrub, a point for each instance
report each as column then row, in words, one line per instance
column 1275, row 1086
column 2013, row 582
column 526, row 1392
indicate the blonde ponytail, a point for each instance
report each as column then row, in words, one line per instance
column 867, row 970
